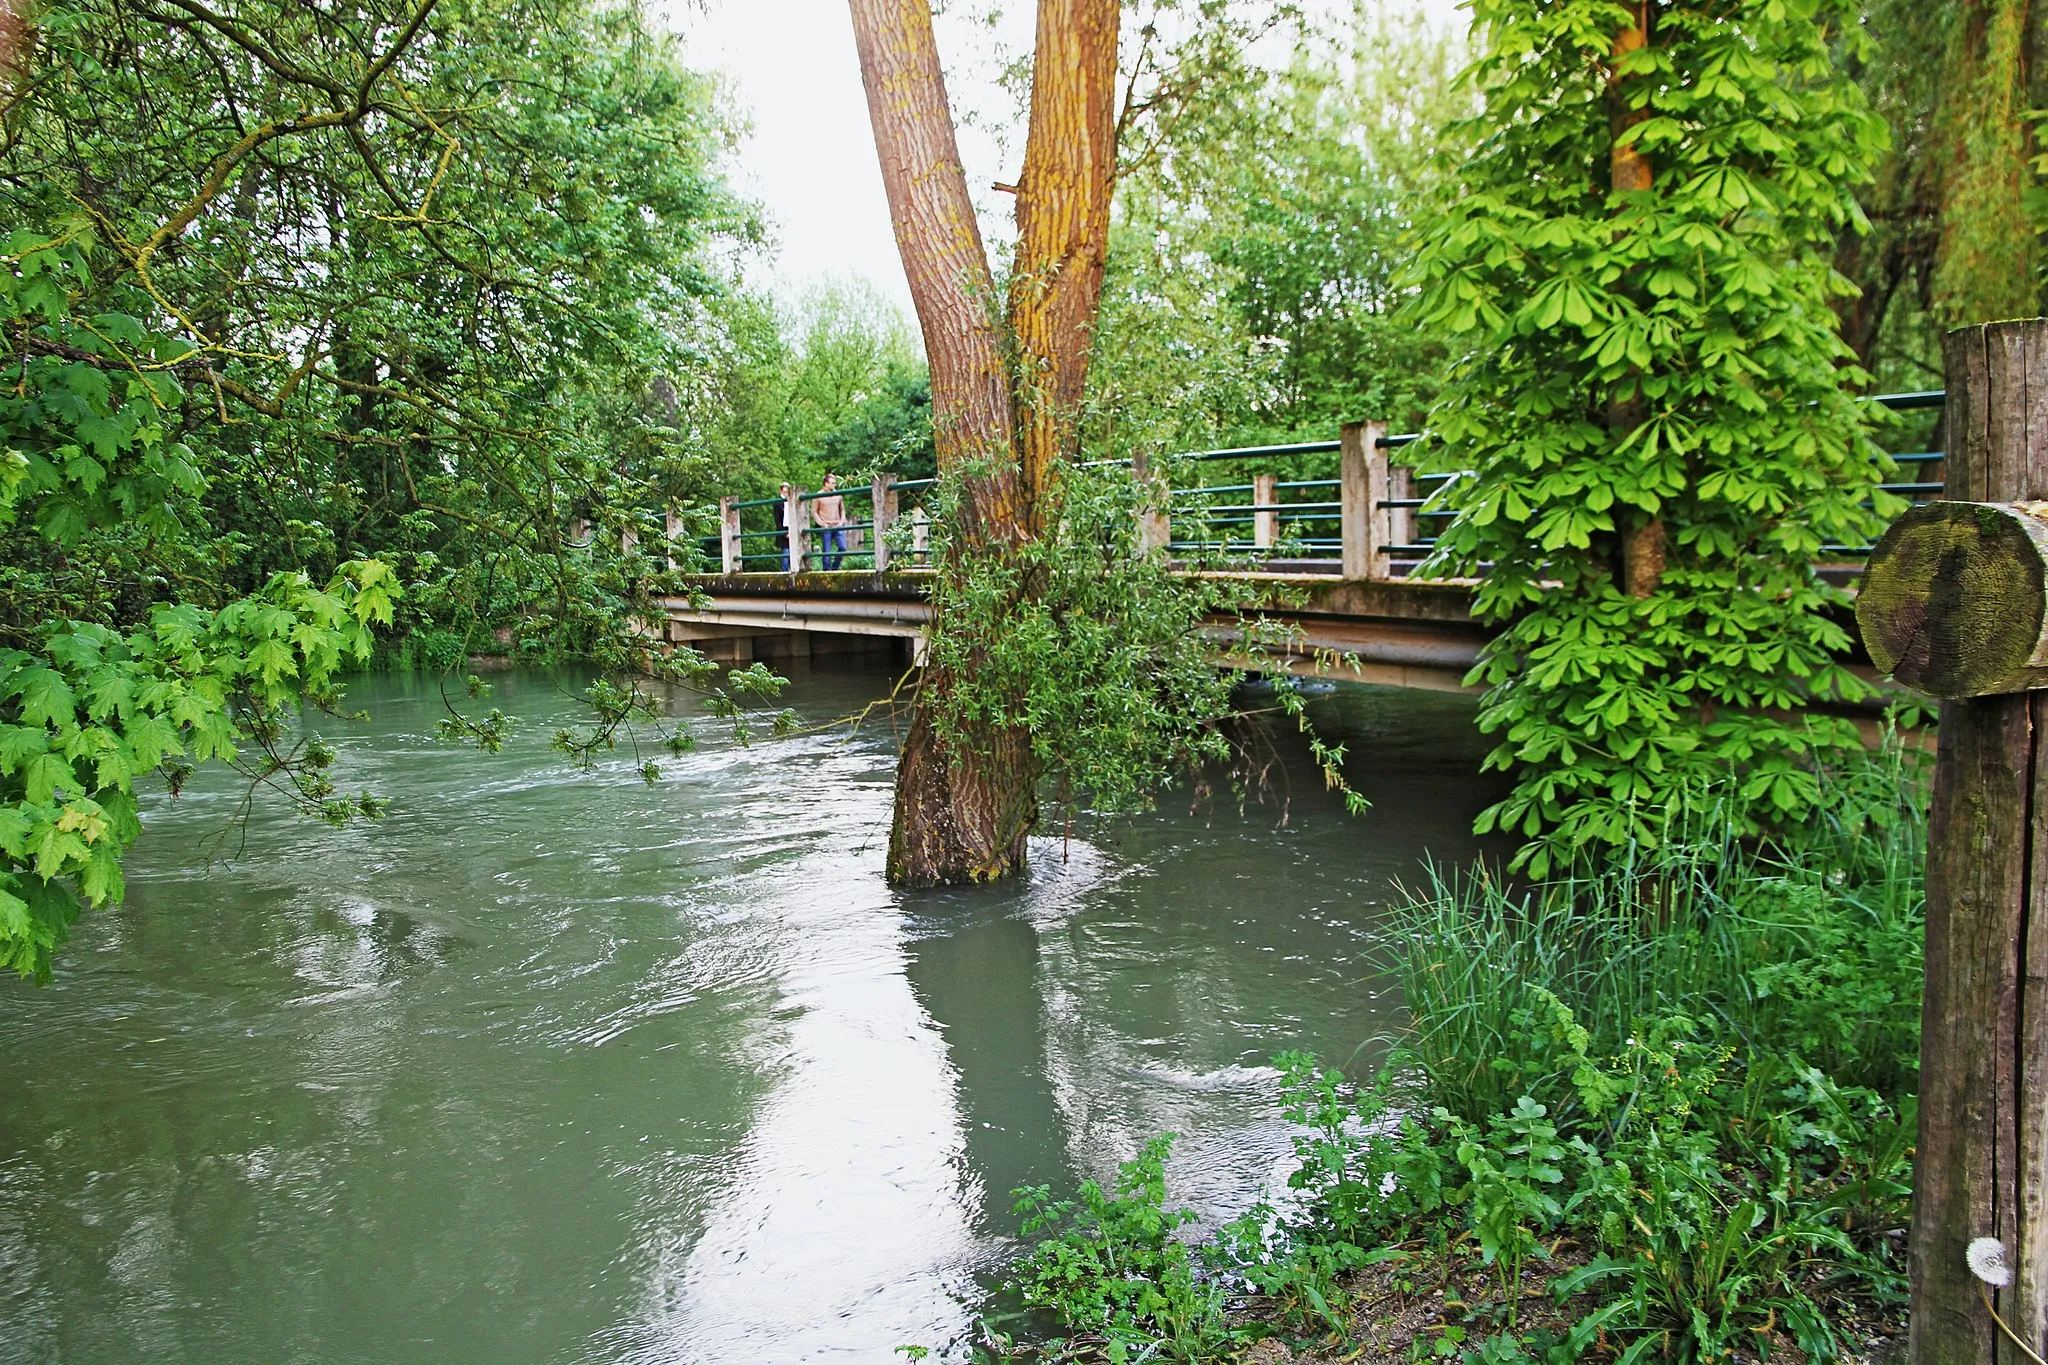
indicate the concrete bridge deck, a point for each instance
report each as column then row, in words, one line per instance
column 1405, row 634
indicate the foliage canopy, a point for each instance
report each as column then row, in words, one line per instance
column 1664, row 355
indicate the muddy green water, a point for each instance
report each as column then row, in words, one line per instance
column 552, row 1066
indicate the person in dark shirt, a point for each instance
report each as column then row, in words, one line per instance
column 782, row 524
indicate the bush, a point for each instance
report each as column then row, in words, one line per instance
column 1676, row 1093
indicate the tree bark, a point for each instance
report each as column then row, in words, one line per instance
column 17, row 43
column 1063, row 202
column 1630, row 172
column 939, row 241
column 965, row 803
column 1989, row 253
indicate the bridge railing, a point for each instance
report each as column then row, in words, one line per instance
column 1346, row 507
column 880, row 525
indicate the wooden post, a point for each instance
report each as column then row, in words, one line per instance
column 672, row 531
column 796, row 520
column 884, row 500
column 1361, row 488
column 1981, row 1167
column 1265, row 511
column 1155, row 518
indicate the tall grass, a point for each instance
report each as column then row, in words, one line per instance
column 1807, row 945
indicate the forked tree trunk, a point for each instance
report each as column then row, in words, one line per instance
column 964, row 807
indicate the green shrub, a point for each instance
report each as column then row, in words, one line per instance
column 1110, row 1267
column 1696, row 1066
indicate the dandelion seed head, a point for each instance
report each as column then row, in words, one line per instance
column 1987, row 1262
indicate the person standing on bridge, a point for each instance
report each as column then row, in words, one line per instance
column 828, row 510
column 782, row 524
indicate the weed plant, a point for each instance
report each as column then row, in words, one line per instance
column 1665, row 1106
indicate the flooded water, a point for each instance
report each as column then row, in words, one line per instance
column 551, row 1066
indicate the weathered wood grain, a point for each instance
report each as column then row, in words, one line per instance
column 1979, row 1169
column 1952, row 601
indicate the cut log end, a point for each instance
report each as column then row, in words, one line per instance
column 1952, row 602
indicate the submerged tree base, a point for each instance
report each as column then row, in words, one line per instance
column 960, row 818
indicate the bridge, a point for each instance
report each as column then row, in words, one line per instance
column 1339, row 530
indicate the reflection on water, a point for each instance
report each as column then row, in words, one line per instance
column 560, row 1067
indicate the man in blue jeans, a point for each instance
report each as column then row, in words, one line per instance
column 828, row 513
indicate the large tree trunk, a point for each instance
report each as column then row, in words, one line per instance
column 1063, row 201
column 940, row 243
column 965, row 804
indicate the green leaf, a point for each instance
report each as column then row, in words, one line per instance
column 46, row 699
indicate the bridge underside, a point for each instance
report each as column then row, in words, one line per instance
column 1397, row 633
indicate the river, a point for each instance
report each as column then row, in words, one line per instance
column 555, row 1066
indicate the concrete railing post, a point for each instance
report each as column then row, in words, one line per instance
column 1361, row 489
column 729, row 558
column 1400, row 521
column 796, row 520
column 672, row 531
column 1155, row 519
column 920, row 537
column 1265, row 511
column 884, row 516
column 629, row 539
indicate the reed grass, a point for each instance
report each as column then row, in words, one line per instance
column 1806, row 945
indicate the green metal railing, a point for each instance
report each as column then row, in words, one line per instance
column 1295, row 522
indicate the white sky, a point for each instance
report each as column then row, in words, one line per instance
column 810, row 158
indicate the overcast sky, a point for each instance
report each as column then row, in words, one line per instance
column 810, row 158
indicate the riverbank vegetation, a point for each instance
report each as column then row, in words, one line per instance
column 1658, row 1110
column 339, row 341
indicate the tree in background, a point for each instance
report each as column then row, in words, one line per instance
column 1654, row 400
column 1956, row 208
column 859, row 395
column 295, row 300
column 1256, row 258
column 833, row 382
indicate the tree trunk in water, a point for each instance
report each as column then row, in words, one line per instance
column 960, row 821
column 964, row 807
